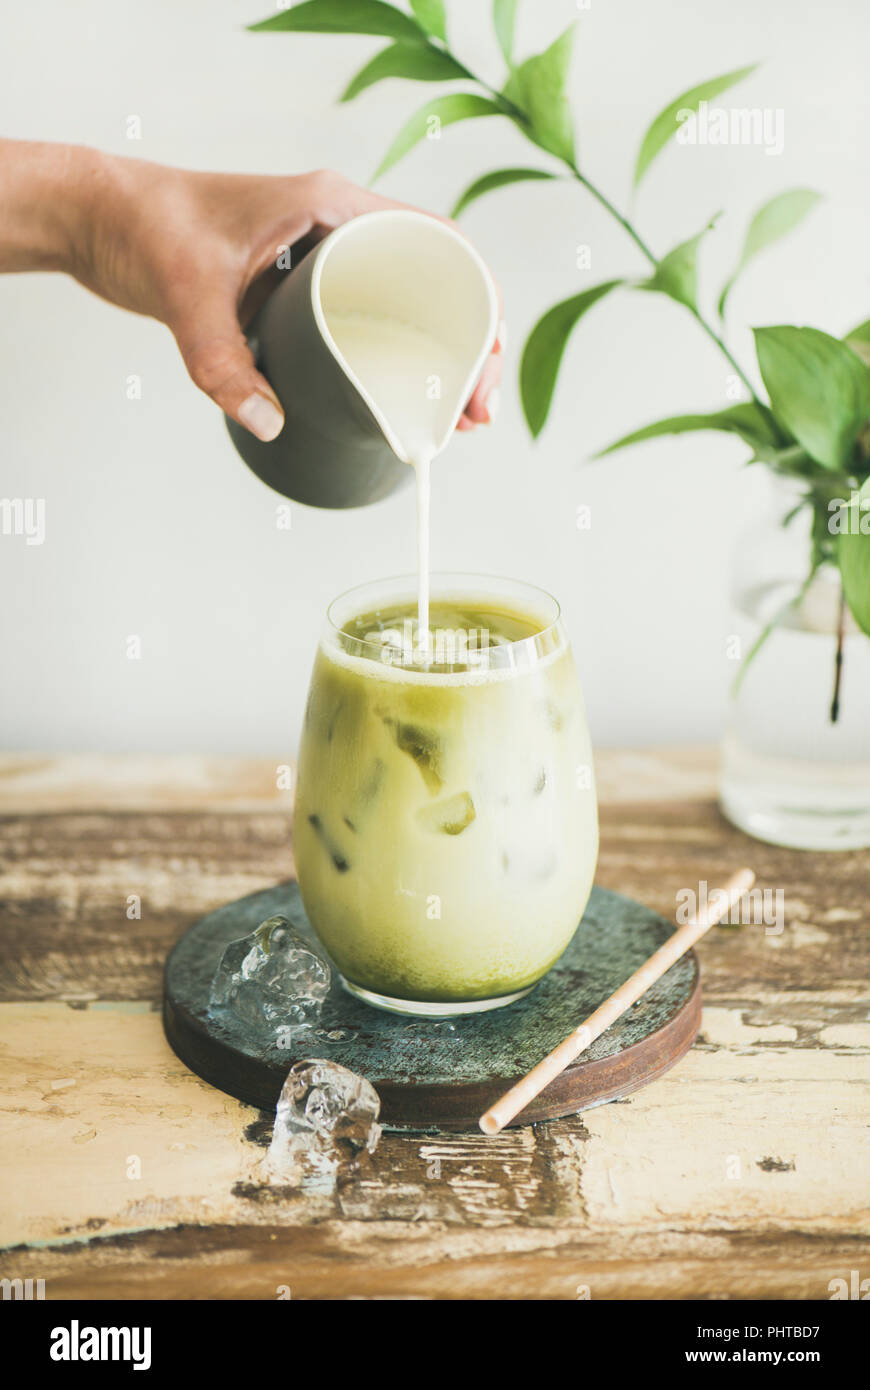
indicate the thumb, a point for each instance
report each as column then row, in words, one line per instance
column 217, row 356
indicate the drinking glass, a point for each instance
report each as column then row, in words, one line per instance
column 446, row 828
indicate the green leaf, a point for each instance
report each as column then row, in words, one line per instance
column 667, row 123
column 539, row 88
column 677, row 273
column 771, row 222
column 544, row 349
column 504, row 15
column 792, row 460
column 447, row 110
column 497, row 179
column 860, row 334
column 342, row 17
column 819, row 389
column 745, row 419
column 853, row 556
column 859, row 341
column 415, row 61
column 432, row 16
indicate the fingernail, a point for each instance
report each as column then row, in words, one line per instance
column 492, row 403
column 261, row 417
column 502, row 334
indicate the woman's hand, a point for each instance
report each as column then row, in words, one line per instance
column 195, row 250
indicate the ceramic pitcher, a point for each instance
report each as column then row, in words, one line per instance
column 337, row 448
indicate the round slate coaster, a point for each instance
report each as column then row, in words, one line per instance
column 442, row 1074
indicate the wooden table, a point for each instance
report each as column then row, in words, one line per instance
column 742, row 1173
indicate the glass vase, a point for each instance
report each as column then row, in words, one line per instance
column 796, row 752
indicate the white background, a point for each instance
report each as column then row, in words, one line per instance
column 156, row 528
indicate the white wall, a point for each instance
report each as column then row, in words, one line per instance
column 155, row 527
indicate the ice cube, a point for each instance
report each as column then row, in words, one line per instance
column 339, row 860
column 364, row 796
column 424, row 746
column 449, row 817
column 330, row 730
column 325, row 1123
column 553, row 715
column 271, row 978
column 545, row 869
column 372, row 783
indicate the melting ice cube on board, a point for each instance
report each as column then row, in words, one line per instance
column 271, row 978
column 325, row 1123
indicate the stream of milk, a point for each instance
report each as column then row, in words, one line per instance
column 416, row 382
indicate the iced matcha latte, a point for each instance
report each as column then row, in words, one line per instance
column 446, row 830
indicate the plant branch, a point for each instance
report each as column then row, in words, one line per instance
column 519, row 116
column 838, row 659
column 614, row 212
column 770, row 627
column 638, row 240
column 727, row 354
